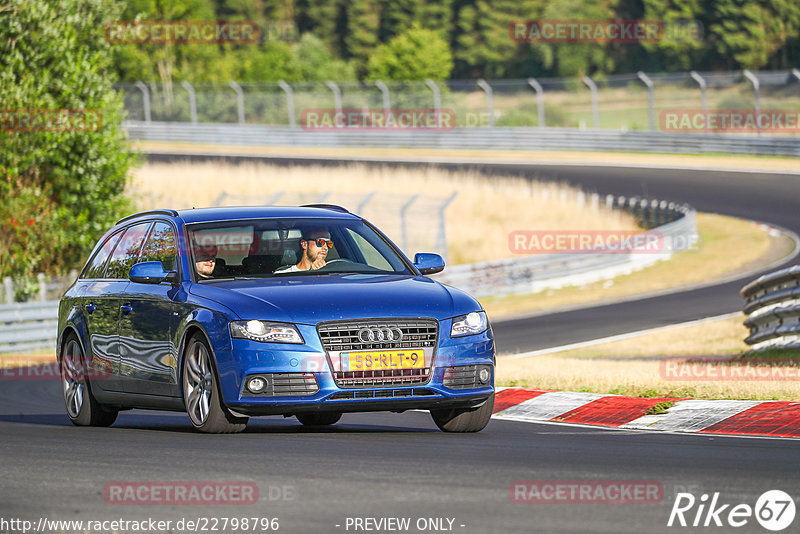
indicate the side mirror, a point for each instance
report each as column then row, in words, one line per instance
column 152, row 272
column 428, row 263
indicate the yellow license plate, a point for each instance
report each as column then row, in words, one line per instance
column 383, row 360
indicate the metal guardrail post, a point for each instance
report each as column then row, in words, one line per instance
column 8, row 290
column 483, row 84
column 651, row 112
column 539, row 99
column 145, row 99
column 593, row 88
column 289, row 101
column 387, row 102
column 239, row 100
column 702, row 83
column 337, row 96
column 42, row 283
column 403, row 210
column 192, row 100
column 220, row 198
column 274, row 198
column 756, row 90
column 437, row 101
column 441, row 238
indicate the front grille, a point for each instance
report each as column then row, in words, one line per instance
column 389, row 377
column 343, row 335
column 463, row 377
column 284, row 385
column 382, row 394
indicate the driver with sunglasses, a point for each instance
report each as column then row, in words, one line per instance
column 315, row 243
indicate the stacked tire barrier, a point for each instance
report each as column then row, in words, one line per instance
column 773, row 309
column 535, row 273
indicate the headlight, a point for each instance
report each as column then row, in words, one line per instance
column 266, row 332
column 469, row 324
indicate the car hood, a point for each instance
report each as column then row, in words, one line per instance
column 312, row 299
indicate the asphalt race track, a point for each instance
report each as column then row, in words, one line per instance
column 400, row 465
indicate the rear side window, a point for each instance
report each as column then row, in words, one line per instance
column 126, row 254
column 94, row 269
column 161, row 246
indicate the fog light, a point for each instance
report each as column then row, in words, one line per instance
column 256, row 384
column 483, row 375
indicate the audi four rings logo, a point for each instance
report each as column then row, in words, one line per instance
column 382, row 333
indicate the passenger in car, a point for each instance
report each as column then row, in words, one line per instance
column 316, row 243
column 205, row 258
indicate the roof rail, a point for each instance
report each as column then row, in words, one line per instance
column 333, row 207
column 173, row 213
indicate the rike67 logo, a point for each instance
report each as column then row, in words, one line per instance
column 774, row 510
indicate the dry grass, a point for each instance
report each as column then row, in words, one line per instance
column 479, row 220
column 633, row 367
column 726, row 245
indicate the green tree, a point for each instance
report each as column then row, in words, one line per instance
column 397, row 16
column 416, row 54
column 362, row 31
column 755, row 34
column 578, row 59
column 62, row 183
column 482, row 44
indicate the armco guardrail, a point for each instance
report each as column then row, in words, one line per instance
column 773, row 306
column 28, row 326
column 520, row 138
column 536, row 273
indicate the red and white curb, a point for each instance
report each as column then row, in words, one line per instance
column 753, row 418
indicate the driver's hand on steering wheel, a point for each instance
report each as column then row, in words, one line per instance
column 319, row 263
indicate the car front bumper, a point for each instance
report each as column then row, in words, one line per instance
column 310, row 361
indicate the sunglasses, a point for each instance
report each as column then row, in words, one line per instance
column 321, row 242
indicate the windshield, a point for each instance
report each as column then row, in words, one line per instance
column 289, row 247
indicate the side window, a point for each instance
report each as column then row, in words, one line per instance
column 161, row 246
column 127, row 252
column 94, row 269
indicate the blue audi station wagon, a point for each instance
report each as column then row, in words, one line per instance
column 231, row 313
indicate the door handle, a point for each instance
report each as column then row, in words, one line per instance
column 91, row 308
column 126, row 309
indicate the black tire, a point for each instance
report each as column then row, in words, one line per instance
column 318, row 419
column 82, row 408
column 201, row 392
column 456, row 420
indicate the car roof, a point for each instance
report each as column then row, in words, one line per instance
column 199, row 215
